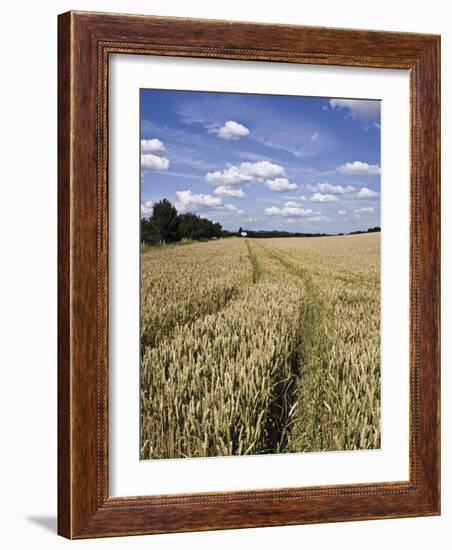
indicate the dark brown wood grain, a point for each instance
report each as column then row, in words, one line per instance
column 64, row 295
column 85, row 42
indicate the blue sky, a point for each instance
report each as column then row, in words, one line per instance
column 262, row 161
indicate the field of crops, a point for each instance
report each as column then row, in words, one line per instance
column 260, row 346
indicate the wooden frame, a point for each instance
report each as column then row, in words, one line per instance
column 85, row 42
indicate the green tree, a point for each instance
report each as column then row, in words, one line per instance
column 190, row 226
column 166, row 220
column 217, row 230
column 150, row 233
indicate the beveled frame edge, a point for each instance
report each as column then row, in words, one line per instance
column 85, row 41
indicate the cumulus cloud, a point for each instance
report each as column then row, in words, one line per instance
column 232, row 130
column 262, row 169
column 245, row 172
column 364, row 209
column 359, row 168
column 226, row 190
column 318, row 219
column 229, row 176
column 154, row 146
column 188, row 201
column 366, row 193
column 152, row 155
column 358, row 108
column 320, row 197
column 334, row 189
column 153, row 162
column 342, row 212
column 147, row 208
column 290, row 209
column 280, row 184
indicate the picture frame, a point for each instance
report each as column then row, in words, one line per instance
column 86, row 40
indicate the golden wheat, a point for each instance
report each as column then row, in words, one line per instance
column 260, row 346
column 181, row 283
column 339, row 389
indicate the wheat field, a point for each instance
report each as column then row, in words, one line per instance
column 254, row 346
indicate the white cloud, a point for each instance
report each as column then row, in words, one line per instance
column 274, row 211
column 334, row 189
column 280, row 184
column 245, row 172
column 319, row 197
column 232, row 130
column 187, row 199
column 290, row 209
column 153, row 162
column 262, row 169
column 229, row 176
column 318, row 219
column 364, row 209
column 359, row 168
column 225, row 190
column 342, row 212
column 152, row 155
column 366, row 193
column 358, row 108
column 147, row 208
column 230, row 207
column 154, row 146
column 315, row 136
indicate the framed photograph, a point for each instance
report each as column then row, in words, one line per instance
column 249, row 268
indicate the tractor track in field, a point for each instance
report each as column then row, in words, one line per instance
column 256, row 268
column 310, row 339
column 314, row 309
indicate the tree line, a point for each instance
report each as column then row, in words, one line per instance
column 273, row 234
column 166, row 226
